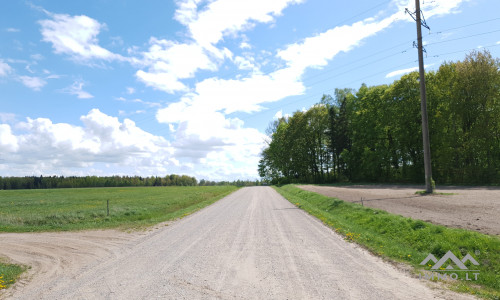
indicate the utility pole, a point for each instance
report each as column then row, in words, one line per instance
column 423, row 104
column 429, row 188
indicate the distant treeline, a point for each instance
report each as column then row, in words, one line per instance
column 52, row 182
column 374, row 134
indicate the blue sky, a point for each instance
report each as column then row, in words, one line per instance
column 102, row 87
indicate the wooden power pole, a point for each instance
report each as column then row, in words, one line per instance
column 429, row 188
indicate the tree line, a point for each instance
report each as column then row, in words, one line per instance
column 374, row 134
column 53, row 182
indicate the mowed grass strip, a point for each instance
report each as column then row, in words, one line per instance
column 404, row 239
column 86, row 208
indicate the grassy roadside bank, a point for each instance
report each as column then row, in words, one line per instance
column 84, row 209
column 406, row 240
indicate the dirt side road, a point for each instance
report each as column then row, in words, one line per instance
column 473, row 208
column 252, row 244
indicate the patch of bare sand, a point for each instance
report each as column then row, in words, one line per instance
column 50, row 255
column 473, row 208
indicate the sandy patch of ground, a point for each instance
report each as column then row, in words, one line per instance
column 473, row 208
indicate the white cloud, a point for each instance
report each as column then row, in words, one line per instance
column 442, row 7
column 400, row 72
column 130, row 90
column 169, row 61
column 278, row 115
column 7, row 117
column 245, row 63
column 77, row 89
column 227, row 17
column 33, row 82
column 318, row 50
column 161, row 81
column 203, row 132
column 404, row 71
column 75, row 36
column 8, row 142
column 11, row 29
column 245, row 45
column 36, row 56
column 5, row 69
column 44, row 147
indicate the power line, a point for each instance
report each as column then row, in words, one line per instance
column 464, row 26
column 363, row 59
column 464, row 37
column 317, row 95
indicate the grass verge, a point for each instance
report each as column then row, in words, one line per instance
column 8, row 274
column 434, row 193
column 79, row 209
column 406, row 240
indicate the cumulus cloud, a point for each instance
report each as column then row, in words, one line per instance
column 75, row 36
column 77, row 89
column 7, row 117
column 48, row 147
column 8, row 142
column 227, row 17
column 33, row 82
column 5, row 69
column 205, row 134
column 167, row 62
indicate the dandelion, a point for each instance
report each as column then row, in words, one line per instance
column 409, row 255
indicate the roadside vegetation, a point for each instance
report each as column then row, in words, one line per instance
column 78, row 209
column 405, row 240
column 8, row 274
column 374, row 134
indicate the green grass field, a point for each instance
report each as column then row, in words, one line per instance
column 404, row 239
column 78, row 209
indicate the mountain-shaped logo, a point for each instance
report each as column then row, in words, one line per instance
column 449, row 256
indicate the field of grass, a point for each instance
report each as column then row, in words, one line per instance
column 86, row 208
column 405, row 240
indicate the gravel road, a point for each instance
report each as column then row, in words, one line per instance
column 252, row 244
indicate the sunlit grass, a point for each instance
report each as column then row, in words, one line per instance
column 86, row 208
column 404, row 239
column 8, row 274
